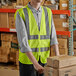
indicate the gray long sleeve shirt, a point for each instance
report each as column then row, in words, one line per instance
column 22, row 33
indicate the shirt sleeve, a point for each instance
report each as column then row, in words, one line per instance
column 53, row 34
column 22, row 34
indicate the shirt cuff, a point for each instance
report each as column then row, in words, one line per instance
column 54, row 43
column 24, row 49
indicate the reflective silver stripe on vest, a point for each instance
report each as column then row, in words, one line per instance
column 41, row 49
column 35, row 49
column 47, row 36
column 44, row 49
column 27, row 25
column 33, row 37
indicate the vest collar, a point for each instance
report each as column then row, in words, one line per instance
column 33, row 9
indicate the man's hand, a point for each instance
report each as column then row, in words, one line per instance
column 39, row 68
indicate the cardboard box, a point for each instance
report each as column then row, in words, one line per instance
column 4, row 51
column 74, row 2
column 61, row 61
column 13, row 57
column 47, row 2
column 61, row 23
column 20, row 2
column 6, row 37
column 52, row 6
column 48, row 71
column 17, row 57
column 7, row 6
column 62, row 43
column 14, row 45
column 14, row 4
column 69, row 71
column 64, row 4
column 14, row 39
column 11, row 20
column 74, row 44
column 4, row 58
column 6, row 44
column 13, row 50
column 4, row 20
column 61, row 51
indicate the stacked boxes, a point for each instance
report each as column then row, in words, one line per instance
column 64, row 4
column 22, row 2
column 19, row 2
column 14, row 39
column 6, row 49
column 11, row 20
column 14, row 48
column 4, row 20
column 74, row 3
column 14, row 43
column 13, row 55
column 60, row 66
column 63, row 49
column 6, row 37
column 4, row 54
column 7, row 20
column 61, row 22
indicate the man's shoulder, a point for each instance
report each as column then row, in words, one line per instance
column 21, row 9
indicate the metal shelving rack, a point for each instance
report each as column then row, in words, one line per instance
column 67, row 12
column 71, row 20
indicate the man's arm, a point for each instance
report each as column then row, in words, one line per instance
column 56, row 49
column 37, row 66
column 23, row 42
column 54, row 41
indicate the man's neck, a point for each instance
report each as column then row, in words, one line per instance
column 35, row 5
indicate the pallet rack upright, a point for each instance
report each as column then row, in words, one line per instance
column 71, row 29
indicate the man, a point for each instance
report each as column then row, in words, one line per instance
column 36, row 33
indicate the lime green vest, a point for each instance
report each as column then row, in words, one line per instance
column 39, row 41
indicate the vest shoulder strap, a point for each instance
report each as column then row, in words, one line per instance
column 21, row 13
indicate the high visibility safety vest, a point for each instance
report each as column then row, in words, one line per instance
column 39, row 41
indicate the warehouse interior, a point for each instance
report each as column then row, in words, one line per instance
column 64, row 16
